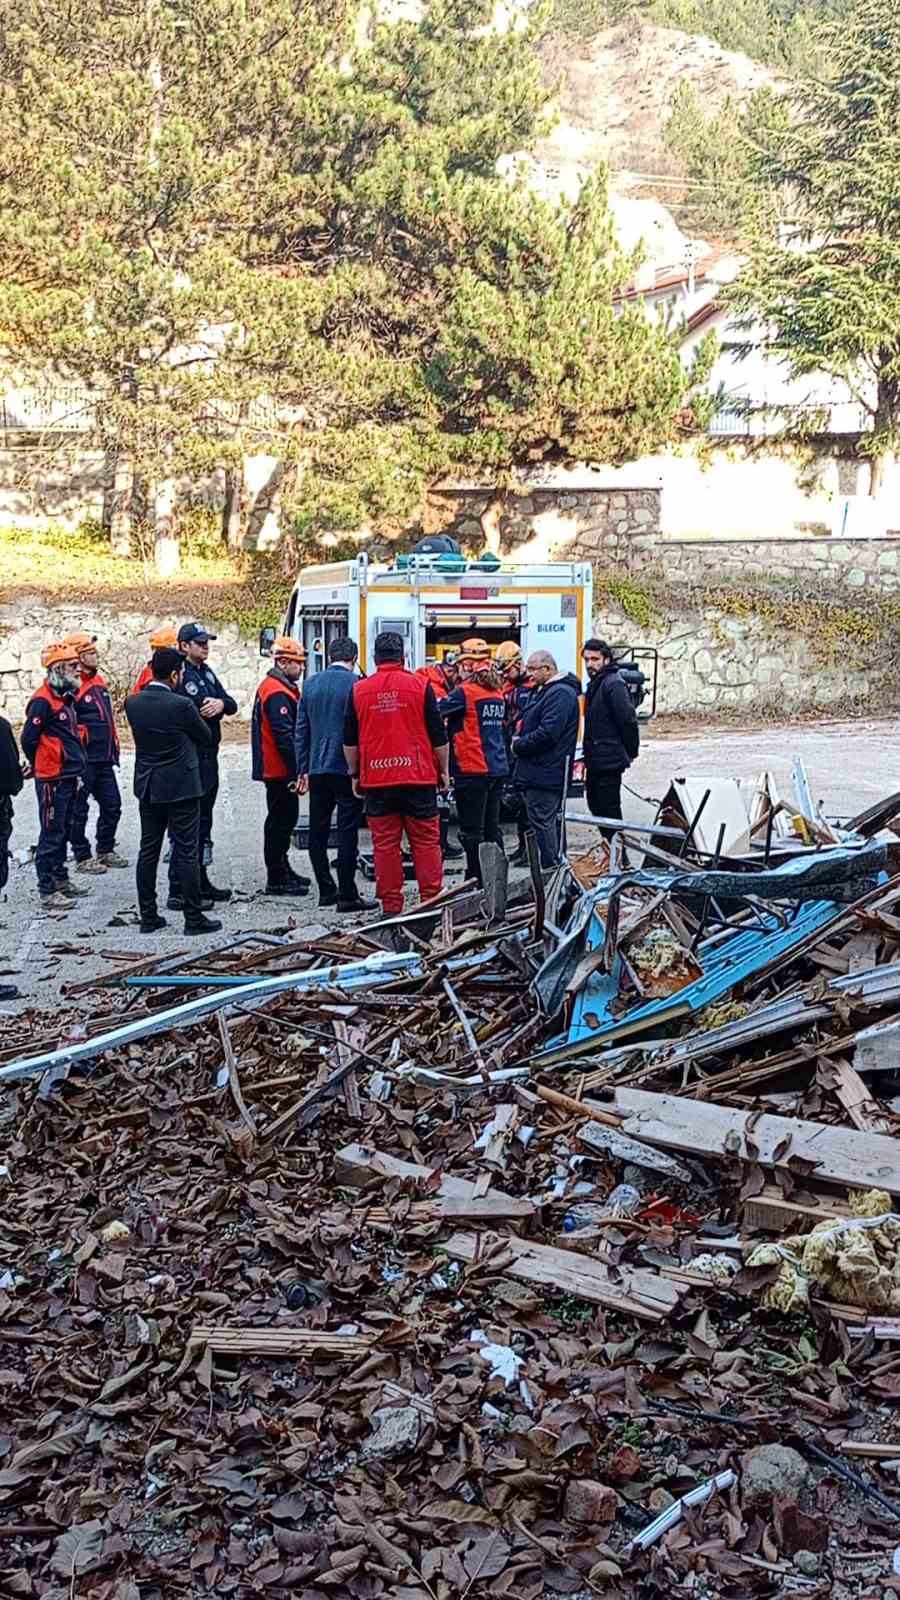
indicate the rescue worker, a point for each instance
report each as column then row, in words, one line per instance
column 612, row 736
column 273, row 744
column 517, row 686
column 474, row 713
column 168, row 735
column 212, row 700
column 164, row 638
column 443, row 675
column 97, row 719
column 397, row 754
column 52, row 746
column 543, row 750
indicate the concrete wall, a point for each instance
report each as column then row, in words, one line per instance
column 26, row 624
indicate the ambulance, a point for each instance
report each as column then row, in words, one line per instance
column 435, row 601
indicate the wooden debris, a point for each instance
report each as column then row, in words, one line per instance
column 283, row 1342
column 643, row 1293
column 839, row 1155
column 613, row 1145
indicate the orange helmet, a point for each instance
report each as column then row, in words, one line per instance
column 164, row 638
column 289, row 647
column 60, row 650
column 475, row 650
column 80, row 641
column 507, row 653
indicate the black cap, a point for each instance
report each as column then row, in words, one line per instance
column 193, row 633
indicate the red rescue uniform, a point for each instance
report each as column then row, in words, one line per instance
column 272, row 728
column 144, row 677
column 392, row 719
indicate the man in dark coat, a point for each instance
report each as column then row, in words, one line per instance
column 612, row 737
column 11, row 781
column 543, row 750
column 169, row 734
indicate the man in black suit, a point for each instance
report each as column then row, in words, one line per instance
column 168, row 734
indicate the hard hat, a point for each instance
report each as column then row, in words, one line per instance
column 58, row 651
column 289, row 647
column 507, row 652
column 474, row 648
column 165, row 638
column 80, row 641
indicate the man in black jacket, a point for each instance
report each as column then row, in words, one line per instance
column 543, row 749
column 168, row 734
column 200, row 684
column 612, row 737
column 11, row 781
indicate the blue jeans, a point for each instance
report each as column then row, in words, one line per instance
column 98, row 783
column 55, row 799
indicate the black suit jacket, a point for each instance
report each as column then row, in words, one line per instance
column 168, row 733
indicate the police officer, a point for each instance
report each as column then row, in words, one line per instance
column 213, row 702
column 97, row 721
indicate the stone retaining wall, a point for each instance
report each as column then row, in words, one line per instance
column 26, row 624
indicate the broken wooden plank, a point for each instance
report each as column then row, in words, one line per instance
column 610, row 1143
column 580, row 1108
column 864, row 1112
column 769, row 1212
column 282, row 1342
column 298, row 1110
column 234, row 1082
column 497, row 1135
column 870, row 1450
column 358, row 1164
column 702, row 1128
column 636, row 1289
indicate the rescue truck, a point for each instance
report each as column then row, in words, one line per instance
column 435, row 601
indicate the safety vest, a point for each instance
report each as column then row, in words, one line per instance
column 394, row 746
column 272, row 726
column 478, row 743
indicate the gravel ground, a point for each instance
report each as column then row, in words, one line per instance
column 850, row 765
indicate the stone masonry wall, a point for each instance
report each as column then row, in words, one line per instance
column 716, row 658
column 26, row 625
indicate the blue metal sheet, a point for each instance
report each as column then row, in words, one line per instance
column 725, row 962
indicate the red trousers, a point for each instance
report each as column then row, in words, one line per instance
column 424, row 837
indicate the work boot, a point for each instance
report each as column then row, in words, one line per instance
column 297, row 878
column 72, row 891
column 210, row 892
column 90, row 864
column 359, row 904
column 111, row 858
column 153, row 924
column 452, row 852
column 175, row 902
column 55, row 902
column 286, row 888
column 203, row 925
column 327, row 898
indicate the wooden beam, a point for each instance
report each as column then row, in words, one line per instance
column 636, row 1290
column 701, row 1128
column 282, row 1342
column 769, row 1212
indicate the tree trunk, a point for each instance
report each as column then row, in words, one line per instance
column 165, row 545
column 490, row 522
column 117, row 501
column 233, row 509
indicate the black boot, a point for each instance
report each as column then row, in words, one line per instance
column 286, row 888
column 153, row 924
column 202, row 925
column 296, row 878
column 211, row 893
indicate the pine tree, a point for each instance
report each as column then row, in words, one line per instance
column 830, row 295
column 252, row 226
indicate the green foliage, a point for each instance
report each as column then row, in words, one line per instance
column 636, row 599
column 721, row 200
column 246, row 229
column 831, row 295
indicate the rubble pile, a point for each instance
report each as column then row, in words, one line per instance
column 537, row 1245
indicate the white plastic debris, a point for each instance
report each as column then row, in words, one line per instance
column 673, row 1514
column 622, row 1201
column 502, row 1360
column 222, row 1077
column 718, row 1267
column 896, row 1562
